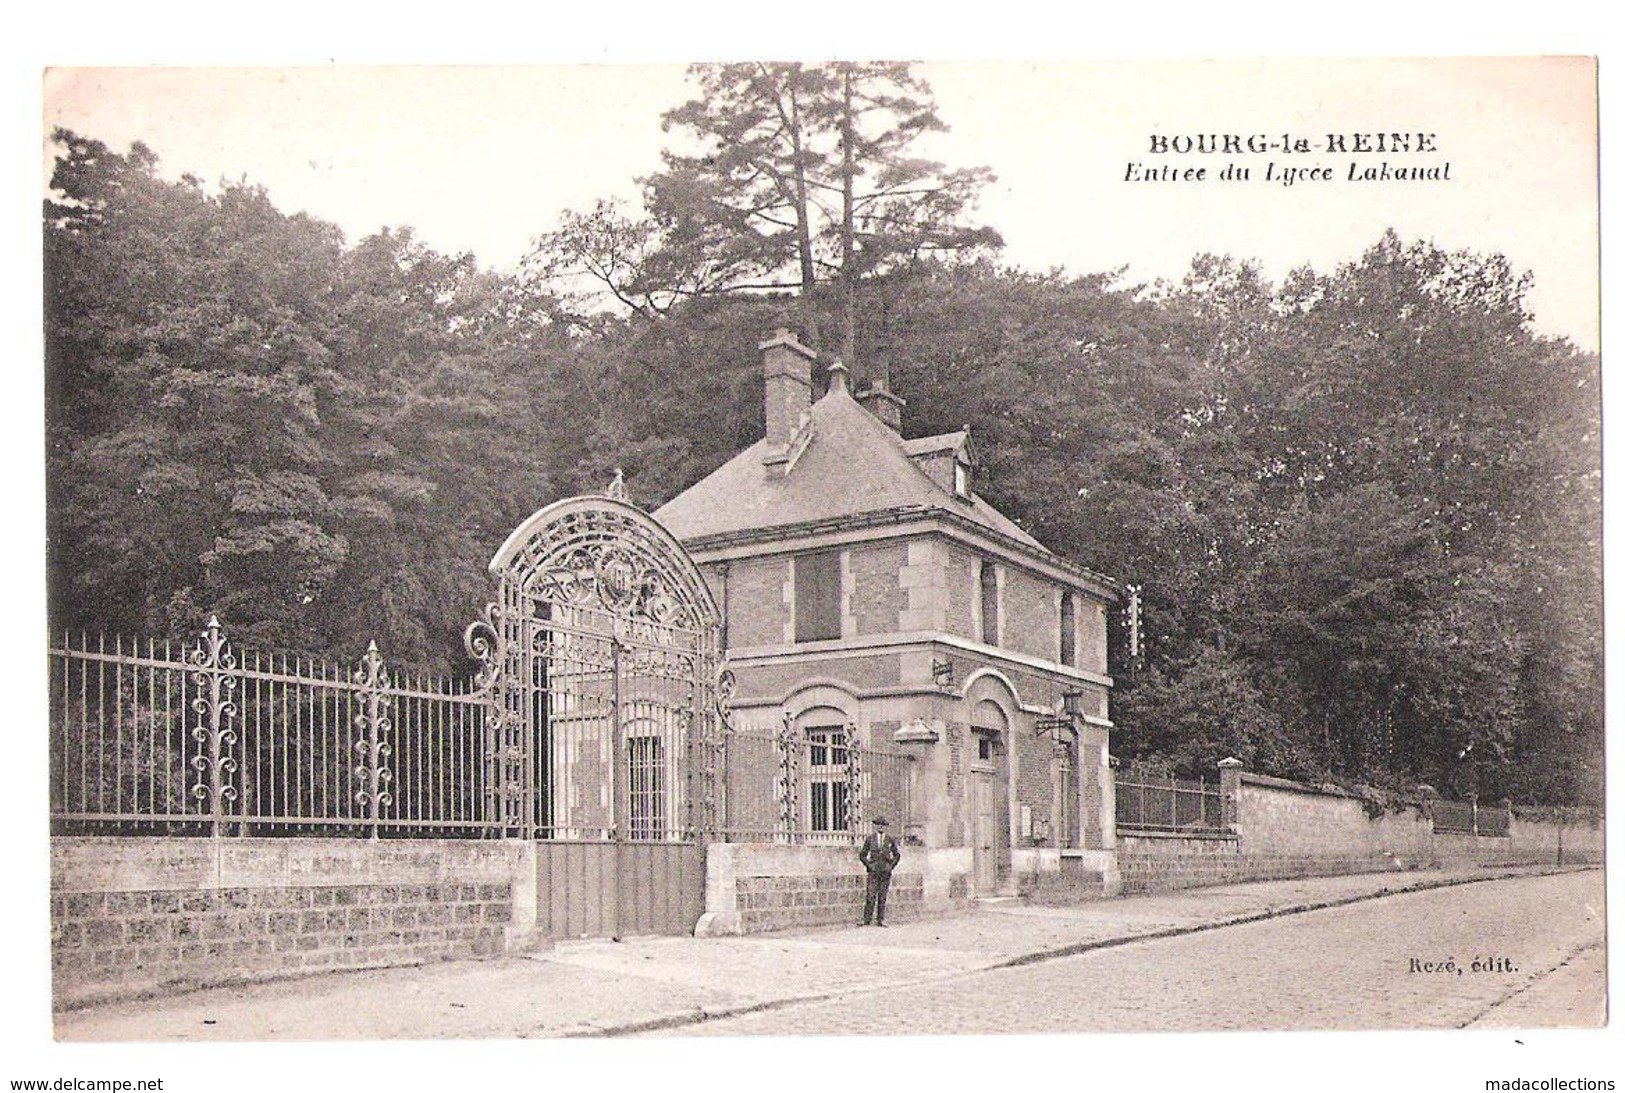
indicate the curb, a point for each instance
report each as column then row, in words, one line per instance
column 1280, row 912
column 700, row 1015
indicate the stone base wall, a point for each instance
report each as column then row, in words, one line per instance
column 132, row 917
column 1531, row 843
column 1285, row 830
column 1072, row 877
column 758, row 887
column 779, row 903
column 1150, row 863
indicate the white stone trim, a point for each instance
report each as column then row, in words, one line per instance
column 789, row 598
column 999, row 597
column 922, row 526
column 919, row 640
column 849, row 582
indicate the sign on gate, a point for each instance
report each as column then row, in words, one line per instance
column 601, row 656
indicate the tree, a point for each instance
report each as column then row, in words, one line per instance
column 1364, row 504
column 186, row 370
column 321, row 444
column 801, row 175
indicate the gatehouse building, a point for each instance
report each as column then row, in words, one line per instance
column 872, row 599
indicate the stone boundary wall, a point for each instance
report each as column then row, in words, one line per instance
column 1062, row 877
column 1163, row 863
column 1287, row 829
column 754, row 888
column 140, row 916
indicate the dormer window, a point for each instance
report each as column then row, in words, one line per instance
column 946, row 460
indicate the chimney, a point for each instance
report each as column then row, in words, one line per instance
column 839, row 378
column 878, row 399
column 787, row 383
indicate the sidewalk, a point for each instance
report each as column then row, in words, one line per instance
column 602, row 987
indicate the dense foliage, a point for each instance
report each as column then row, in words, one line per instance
column 1364, row 504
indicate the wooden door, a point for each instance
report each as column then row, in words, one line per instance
column 985, row 832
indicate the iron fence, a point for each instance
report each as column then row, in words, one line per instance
column 1456, row 816
column 1470, row 818
column 1155, row 802
column 810, row 786
column 1493, row 820
column 148, row 737
column 153, row 737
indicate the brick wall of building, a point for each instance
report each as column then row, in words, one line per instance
column 137, row 916
column 1032, row 618
column 1092, row 623
column 772, row 680
column 585, row 768
column 961, row 593
column 1090, row 795
column 955, row 734
column 878, row 598
column 1032, row 685
column 757, row 613
column 1035, row 784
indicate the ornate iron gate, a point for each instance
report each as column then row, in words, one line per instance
column 601, row 660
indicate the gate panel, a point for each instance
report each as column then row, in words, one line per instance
column 603, row 889
column 663, row 887
column 602, row 661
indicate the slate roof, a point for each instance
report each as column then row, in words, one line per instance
column 942, row 442
column 852, row 465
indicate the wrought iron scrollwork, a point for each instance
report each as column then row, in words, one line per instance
column 484, row 642
column 723, row 691
column 788, row 743
column 598, row 611
column 854, row 781
column 214, row 669
column 602, row 558
column 373, row 723
column 712, row 753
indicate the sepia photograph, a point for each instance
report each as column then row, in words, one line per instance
column 680, row 558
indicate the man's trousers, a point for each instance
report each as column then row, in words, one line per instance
column 874, row 896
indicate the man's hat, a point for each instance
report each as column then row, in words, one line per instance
column 880, row 821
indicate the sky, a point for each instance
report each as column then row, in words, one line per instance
column 484, row 158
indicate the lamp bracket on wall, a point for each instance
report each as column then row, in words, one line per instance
column 1064, row 718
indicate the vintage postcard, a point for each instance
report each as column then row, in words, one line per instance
column 808, row 548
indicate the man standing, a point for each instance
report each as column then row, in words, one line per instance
column 879, row 855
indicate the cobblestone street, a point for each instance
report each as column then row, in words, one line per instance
column 1406, row 961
